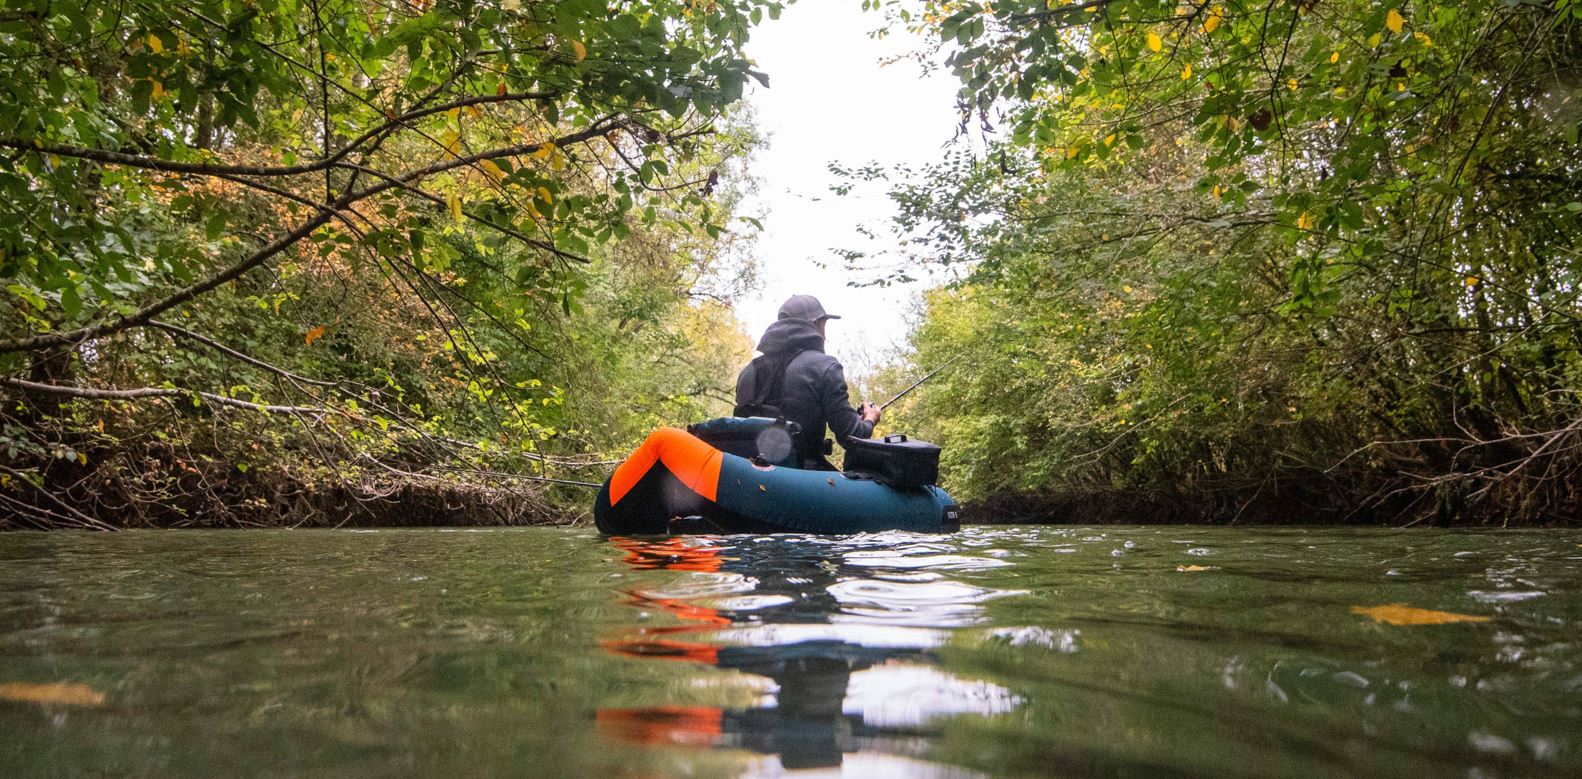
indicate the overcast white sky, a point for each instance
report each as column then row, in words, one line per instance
column 830, row 100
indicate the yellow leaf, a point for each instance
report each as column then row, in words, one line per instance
column 1154, row 42
column 1402, row 614
column 580, row 50
column 454, row 201
column 1212, row 22
column 543, row 193
column 1127, row 288
column 1423, row 36
column 452, row 113
column 1374, row 40
column 54, row 693
column 1305, row 221
column 1218, row 192
column 1472, row 281
column 1394, row 20
column 544, row 151
column 1291, row 84
column 159, row 91
column 1195, row 568
column 155, row 44
column 1334, row 58
column 315, row 334
column 452, row 142
column 1109, row 140
column 492, row 170
column 1186, row 72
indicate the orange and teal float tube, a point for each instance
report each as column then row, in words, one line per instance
column 675, row 474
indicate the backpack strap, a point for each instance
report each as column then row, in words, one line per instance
column 769, row 378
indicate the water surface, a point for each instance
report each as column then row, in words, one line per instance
column 995, row 652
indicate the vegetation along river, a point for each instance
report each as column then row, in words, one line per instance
column 995, row 651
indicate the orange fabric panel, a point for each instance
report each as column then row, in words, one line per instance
column 687, row 457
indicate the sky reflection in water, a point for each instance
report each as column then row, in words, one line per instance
column 844, row 637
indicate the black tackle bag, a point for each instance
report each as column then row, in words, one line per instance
column 894, row 460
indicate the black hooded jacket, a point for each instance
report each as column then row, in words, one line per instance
column 814, row 394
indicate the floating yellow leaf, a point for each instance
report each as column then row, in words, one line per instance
column 1154, row 42
column 1402, row 614
column 1334, row 57
column 53, row 693
column 315, row 334
column 1186, row 72
column 1214, row 18
column 580, row 50
column 1195, row 568
column 1394, row 20
column 155, row 44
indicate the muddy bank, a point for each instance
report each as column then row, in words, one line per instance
column 1451, row 504
column 156, row 489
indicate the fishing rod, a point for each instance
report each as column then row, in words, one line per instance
column 919, row 383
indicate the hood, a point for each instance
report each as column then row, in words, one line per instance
column 791, row 334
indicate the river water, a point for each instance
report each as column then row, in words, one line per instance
column 1019, row 651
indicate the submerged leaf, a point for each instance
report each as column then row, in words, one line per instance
column 1195, row 568
column 53, row 693
column 1402, row 614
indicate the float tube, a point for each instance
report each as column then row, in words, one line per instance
column 678, row 483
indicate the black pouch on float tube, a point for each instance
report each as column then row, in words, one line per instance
column 894, row 460
column 766, row 439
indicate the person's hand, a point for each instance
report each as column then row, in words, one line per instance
column 870, row 413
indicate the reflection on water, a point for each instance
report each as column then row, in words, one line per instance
column 842, row 644
column 1014, row 651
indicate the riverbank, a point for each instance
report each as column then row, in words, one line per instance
column 158, row 492
column 1453, row 505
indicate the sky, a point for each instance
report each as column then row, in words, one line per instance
column 830, row 100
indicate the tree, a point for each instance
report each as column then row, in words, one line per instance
column 355, row 191
column 1360, row 215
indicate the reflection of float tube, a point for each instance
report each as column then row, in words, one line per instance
column 670, row 554
column 690, row 725
column 676, row 474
